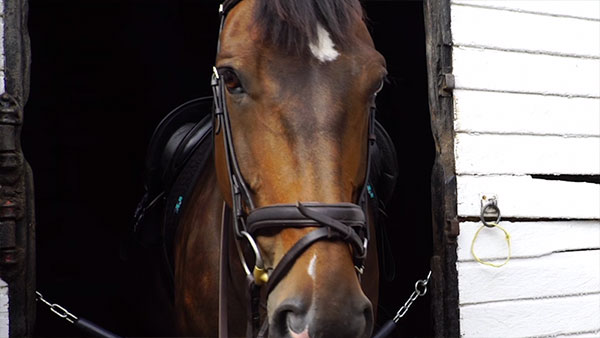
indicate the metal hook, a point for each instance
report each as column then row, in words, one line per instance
column 490, row 207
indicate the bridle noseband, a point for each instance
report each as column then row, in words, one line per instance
column 340, row 221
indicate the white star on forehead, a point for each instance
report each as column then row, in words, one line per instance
column 323, row 49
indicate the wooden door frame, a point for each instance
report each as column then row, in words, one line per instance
column 445, row 223
column 17, row 222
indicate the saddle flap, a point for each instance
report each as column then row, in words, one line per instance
column 384, row 165
column 174, row 141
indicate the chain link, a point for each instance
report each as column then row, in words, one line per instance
column 57, row 309
column 420, row 291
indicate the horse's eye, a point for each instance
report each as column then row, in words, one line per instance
column 231, row 81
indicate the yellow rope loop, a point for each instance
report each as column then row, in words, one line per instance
column 495, row 225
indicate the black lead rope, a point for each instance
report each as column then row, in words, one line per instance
column 80, row 323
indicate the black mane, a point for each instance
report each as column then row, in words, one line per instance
column 292, row 24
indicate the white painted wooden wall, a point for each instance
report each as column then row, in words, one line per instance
column 3, row 309
column 3, row 286
column 527, row 101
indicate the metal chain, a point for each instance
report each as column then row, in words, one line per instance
column 57, row 309
column 420, row 291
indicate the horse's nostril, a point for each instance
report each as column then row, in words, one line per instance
column 290, row 318
column 296, row 322
column 350, row 317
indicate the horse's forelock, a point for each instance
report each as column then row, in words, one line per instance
column 292, row 24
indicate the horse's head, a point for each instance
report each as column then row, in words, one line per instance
column 300, row 78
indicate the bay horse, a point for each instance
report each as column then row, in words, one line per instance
column 295, row 83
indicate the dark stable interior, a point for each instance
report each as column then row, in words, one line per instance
column 105, row 72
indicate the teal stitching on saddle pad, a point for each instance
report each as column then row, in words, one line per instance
column 370, row 191
column 178, row 205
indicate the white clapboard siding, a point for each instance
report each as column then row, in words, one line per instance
column 585, row 9
column 534, row 33
column 589, row 334
column 528, row 239
column 532, row 318
column 526, row 102
column 526, row 154
column 492, row 70
column 505, row 113
column 3, row 308
column 525, row 197
column 565, row 273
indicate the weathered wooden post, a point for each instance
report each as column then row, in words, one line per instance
column 17, row 225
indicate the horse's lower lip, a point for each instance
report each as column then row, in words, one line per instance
column 303, row 334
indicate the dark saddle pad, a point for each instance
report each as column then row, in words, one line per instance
column 180, row 149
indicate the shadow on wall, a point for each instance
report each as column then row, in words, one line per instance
column 103, row 75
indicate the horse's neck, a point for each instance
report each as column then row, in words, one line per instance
column 197, row 259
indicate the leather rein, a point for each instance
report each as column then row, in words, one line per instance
column 338, row 221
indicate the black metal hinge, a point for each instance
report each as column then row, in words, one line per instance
column 446, row 84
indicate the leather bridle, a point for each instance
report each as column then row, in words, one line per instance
column 338, row 221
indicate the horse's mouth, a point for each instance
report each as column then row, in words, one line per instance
column 303, row 334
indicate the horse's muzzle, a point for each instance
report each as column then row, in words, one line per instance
column 344, row 317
